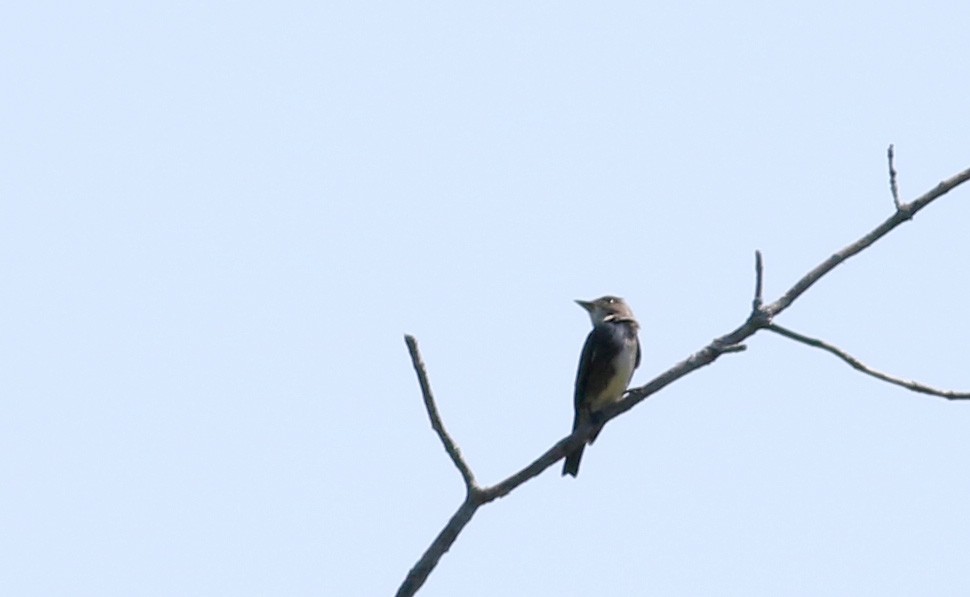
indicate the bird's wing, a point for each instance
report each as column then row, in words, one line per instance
column 582, row 375
column 637, row 362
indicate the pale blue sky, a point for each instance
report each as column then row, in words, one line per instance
column 219, row 219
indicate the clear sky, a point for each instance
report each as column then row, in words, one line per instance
column 217, row 220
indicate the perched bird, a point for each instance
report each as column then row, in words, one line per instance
column 611, row 353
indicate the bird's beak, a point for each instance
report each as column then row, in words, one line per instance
column 585, row 305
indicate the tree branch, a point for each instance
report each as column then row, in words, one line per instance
column 860, row 366
column 417, row 575
column 905, row 212
column 892, row 178
column 450, row 447
column 759, row 318
column 759, row 272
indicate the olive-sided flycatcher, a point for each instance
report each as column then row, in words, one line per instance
column 611, row 353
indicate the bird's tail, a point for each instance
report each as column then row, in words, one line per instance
column 571, row 467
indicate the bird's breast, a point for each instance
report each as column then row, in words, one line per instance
column 622, row 365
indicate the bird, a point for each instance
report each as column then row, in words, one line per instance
column 610, row 355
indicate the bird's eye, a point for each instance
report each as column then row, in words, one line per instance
column 611, row 300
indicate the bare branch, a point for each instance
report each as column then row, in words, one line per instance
column 417, row 575
column 858, row 365
column 533, row 469
column 436, row 424
column 905, row 212
column 477, row 497
column 758, row 276
column 760, row 318
column 892, row 178
column 473, row 498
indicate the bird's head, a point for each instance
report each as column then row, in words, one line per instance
column 607, row 308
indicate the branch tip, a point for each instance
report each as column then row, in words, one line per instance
column 893, row 187
column 862, row 367
column 758, row 281
column 439, row 428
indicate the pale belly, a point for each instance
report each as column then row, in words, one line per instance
column 624, row 364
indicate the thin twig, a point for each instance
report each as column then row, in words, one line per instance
column 450, row 447
column 892, row 178
column 860, row 366
column 758, row 276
